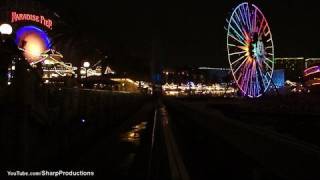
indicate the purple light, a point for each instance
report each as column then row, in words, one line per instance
column 33, row 41
column 32, row 29
column 311, row 70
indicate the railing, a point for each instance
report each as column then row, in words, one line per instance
column 58, row 125
column 284, row 156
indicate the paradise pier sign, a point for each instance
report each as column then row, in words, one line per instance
column 16, row 17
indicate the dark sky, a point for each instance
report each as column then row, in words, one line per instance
column 187, row 33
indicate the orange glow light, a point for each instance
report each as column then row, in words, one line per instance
column 34, row 47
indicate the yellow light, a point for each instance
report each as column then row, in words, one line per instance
column 34, row 47
column 34, row 50
column 83, row 71
column 132, row 134
column 47, row 62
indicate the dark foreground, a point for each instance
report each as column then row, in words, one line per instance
column 131, row 136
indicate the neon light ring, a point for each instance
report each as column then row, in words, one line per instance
column 250, row 50
column 33, row 41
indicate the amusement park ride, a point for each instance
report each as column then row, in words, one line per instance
column 35, row 46
column 31, row 35
column 51, row 60
column 250, row 50
column 249, row 45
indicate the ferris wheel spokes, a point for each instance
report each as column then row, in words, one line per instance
column 250, row 50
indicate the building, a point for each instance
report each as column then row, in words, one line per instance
column 312, row 78
column 203, row 75
column 293, row 67
column 216, row 75
column 309, row 62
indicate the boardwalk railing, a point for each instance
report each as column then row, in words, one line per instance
column 59, row 123
column 286, row 157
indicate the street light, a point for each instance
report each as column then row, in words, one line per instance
column 7, row 42
column 6, row 29
column 86, row 64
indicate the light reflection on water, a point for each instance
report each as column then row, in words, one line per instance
column 134, row 134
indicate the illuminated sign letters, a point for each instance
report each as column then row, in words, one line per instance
column 16, row 17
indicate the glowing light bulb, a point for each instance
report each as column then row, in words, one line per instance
column 86, row 64
column 34, row 47
column 6, row 29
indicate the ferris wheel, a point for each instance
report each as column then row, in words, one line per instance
column 250, row 50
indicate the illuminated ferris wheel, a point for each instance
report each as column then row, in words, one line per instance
column 250, row 50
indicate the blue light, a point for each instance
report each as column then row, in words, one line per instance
column 278, row 78
column 21, row 32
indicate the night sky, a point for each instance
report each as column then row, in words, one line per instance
column 188, row 34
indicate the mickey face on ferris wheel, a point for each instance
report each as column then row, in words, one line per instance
column 256, row 47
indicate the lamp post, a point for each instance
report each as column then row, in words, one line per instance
column 86, row 65
column 167, row 74
column 6, row 51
